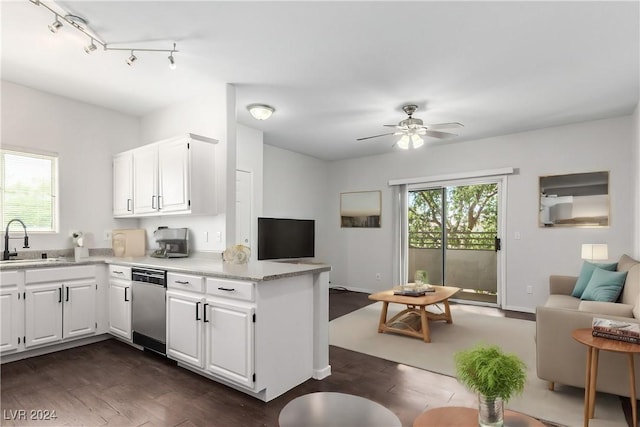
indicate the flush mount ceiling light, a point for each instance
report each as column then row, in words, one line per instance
column 81, row 25
column 260, row 111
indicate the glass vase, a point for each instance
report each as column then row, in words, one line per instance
column 490, row 411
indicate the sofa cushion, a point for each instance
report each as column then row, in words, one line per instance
column 607, row 308
column 631, row 288
column 562, row 301
column 585, row 275
column 604, row 285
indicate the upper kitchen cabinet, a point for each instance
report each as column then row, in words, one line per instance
column 175, row 176
column 123, row 184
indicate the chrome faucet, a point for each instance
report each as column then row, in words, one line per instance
column 6, row 254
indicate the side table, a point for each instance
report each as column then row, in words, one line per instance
column 456, row 416
column 594, row 345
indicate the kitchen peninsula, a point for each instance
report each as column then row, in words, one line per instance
column 261, row 327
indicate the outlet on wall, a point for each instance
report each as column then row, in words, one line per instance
column 529, row 289
column 107, row 235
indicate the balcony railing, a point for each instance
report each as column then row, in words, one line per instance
column 475, row 240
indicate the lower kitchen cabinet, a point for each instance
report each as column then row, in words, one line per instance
column 184, row 327
column 11, row 312
column 229, row 330
column 120, row 301
column 59, row 304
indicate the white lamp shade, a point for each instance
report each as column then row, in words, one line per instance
column 592, row 251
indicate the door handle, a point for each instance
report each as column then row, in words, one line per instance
column 226, row 289
column 159, row 204
column 67, row 298
column 153, row 202
column 59, row 295
column 204, row 312
column 197, row 310
column 128, row 205
column 125, row 294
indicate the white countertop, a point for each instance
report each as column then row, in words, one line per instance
column 255, row 271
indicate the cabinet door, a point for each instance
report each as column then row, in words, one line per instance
column 10, row 304
column 145, row 180
column 173, row 170
column 43, row 314
column 123, row 185
column 184, row 328
column 120, row 308
column 79, row 315
column 230, row 341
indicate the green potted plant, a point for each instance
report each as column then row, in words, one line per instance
column 496, row 377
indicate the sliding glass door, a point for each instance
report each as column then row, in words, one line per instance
column 453, row 236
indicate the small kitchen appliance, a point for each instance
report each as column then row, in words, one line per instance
column 173, row 242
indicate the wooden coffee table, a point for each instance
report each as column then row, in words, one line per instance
column 456, row 416
column 405, row 322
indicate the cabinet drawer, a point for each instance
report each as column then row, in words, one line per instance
column 185, row 282
column 231, row 289
column 120, row 272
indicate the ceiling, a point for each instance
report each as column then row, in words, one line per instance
column 337, row 71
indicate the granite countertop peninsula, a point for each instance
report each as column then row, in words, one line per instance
column 204, row 264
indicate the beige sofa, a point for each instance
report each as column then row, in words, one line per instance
column 561, row 359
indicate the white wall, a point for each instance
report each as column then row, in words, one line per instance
column 636, row 137
column 85, row 137
column 206, row 116
column 250, row 158
column 295, row 186
column 357, row 254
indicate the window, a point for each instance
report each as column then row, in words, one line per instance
column 29, row 183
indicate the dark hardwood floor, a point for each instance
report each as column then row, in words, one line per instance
column 112, row 384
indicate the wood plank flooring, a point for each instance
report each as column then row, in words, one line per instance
column 112, row 384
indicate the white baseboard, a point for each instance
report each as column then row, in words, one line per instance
column 12, row 357
column 320, row 374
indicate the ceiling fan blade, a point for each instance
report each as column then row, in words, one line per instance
column 441, row 135
column 374, row 136
column 445, row 126
column 395, row 126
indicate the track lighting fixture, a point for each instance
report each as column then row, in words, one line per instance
column 80, row 24
column 56, row 25
column 90, row 48
column 132, row 59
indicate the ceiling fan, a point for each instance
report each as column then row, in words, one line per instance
column 413, row 129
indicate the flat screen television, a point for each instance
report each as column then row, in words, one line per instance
column 281, row 238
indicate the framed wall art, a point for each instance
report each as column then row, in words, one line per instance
column 360, row 209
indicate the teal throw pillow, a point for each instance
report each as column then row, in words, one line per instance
column 585, row 276
column 604, row 285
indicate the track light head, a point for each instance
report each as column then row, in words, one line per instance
column 55, row 26
column 132, row 59
column 172, row 62
column 91, row 47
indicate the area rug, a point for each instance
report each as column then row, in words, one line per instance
column 357, row 331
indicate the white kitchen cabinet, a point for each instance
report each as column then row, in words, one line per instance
column 175, row 176
column 11, row 312
column 123, row 185
column 145, row 180
column 60, row 303
column 230, row 340
column 120, row 301
column 184, row 327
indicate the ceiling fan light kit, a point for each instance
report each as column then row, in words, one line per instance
column 412, row 129
column 80, row 24
column 260, row 111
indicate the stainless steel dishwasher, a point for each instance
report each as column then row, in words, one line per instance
column 148, row 310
